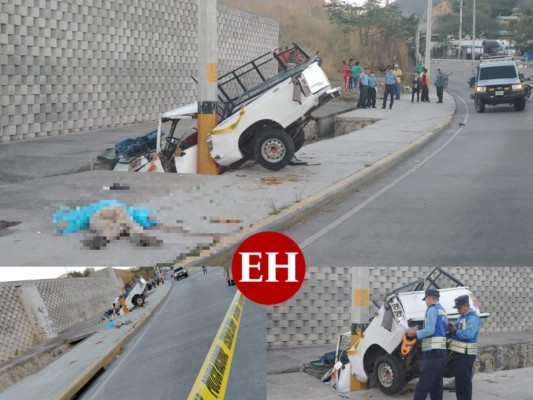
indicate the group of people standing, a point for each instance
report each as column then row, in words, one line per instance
column 357, row 78
column 420, row 84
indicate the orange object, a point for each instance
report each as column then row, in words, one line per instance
column 407, row 345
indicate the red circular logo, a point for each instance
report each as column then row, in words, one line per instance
column 268, row 268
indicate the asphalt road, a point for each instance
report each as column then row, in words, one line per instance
column 468, row 204
column 163, row 360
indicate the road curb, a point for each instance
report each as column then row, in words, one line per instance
column 300, row 210
column 105, row 360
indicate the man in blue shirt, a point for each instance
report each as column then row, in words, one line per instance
column 371, row 98
column 434, row 353
column 464, row 345
column 390, row 87
column 363, row 88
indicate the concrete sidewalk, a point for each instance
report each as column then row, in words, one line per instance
column 194, row 211
column 501, row 385
column 64, row 377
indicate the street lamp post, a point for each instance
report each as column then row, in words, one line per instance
column 474, row 32
column 460, row 28
column 427, row 59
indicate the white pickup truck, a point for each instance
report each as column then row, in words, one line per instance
column 263, row 107
column 377, row 358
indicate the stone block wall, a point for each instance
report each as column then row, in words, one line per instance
column 69, row 301
column 321, row 309
column 16, row 333
column 89, row 64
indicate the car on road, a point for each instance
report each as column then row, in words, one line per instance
column 498, row 82
column 383, row 355
column 180, row 272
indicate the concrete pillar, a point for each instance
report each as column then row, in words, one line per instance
column 359, row 311
column 33, row 304
column 360, row 295
column 207, row 82
column 114, row 279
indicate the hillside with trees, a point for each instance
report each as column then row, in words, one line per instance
column 372, row 34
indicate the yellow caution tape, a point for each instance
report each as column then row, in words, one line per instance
column 230, row 127
column 212, row 380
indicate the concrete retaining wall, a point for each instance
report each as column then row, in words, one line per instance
column 321, row 309
column 89, row 64
column 68, row 302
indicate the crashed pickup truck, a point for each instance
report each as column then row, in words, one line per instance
column 382, row 355
column 263, row 107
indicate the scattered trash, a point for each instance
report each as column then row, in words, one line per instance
column 117, row 186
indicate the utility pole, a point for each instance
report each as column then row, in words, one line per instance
column 114, row 279
column 417, row 43
column 207, row 82
column 429, row 16
column 474, row 33
column 360, row 312
column 460, row 28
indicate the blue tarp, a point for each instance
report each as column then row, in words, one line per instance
column 528, row 55
column 78, row 218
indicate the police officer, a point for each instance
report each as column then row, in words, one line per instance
column 464, row 345
column 434, row 353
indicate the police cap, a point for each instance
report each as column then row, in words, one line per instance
column 461, row 300
column 431, row 292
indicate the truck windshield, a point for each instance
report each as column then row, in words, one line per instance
column 497, row 72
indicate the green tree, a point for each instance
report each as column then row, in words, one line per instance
column 372, row 19
column 523, row 31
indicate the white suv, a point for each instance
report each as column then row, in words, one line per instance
column 498, row 82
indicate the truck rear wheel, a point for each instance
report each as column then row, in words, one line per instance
column 273, row 149
column 389, row 374
column 299, row 140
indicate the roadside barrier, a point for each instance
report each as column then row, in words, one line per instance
column 212, row 380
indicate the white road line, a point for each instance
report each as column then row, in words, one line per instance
column 384, row 190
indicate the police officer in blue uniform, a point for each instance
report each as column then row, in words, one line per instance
column 464, row 345
column 434, row 354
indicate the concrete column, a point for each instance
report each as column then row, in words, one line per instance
column 207, row 82
column 114, row 279
column 33, row 304
column 360, row 295
column 359, row 311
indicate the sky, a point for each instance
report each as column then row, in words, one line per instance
column 28, row 273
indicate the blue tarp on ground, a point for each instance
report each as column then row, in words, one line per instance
column 78, row 218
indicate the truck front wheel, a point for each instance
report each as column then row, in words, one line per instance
column 480, row 106
column 520, row 104
column 273, row 149
column 389, row 374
